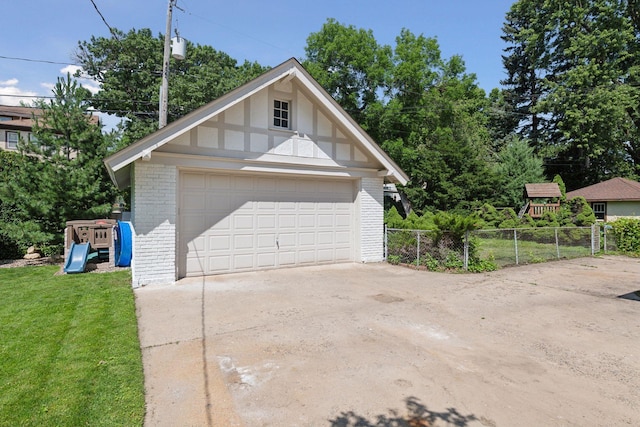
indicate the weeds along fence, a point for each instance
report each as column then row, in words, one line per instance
column 436, row 250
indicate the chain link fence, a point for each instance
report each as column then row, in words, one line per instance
column 437, row 250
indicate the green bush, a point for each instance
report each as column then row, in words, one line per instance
column 627, row 232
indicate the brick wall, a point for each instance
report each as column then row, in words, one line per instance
column 371, row 219
column 154, row 220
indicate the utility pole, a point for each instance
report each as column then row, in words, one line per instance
column 164, row 92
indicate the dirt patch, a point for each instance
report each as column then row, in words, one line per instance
column 92, row 267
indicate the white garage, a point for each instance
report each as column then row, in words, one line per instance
column 274, row 174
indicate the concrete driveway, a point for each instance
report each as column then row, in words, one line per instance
column 379, row 345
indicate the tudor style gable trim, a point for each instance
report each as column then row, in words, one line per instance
column 119, row 164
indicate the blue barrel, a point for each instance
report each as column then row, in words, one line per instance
column 123, row 244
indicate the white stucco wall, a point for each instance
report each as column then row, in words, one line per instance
column 371, row 204
column 154, row 221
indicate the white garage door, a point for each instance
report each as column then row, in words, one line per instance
column 231, row 223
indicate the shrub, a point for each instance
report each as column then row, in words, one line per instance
column 627, row 232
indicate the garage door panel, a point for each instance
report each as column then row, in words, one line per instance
column 325, row 220
column 197, row 244
column 221, row 204
column 243, row 222
column 243, row 241
column 239, row 223
column 220, row 243
column 219, row 222
column 193, row 181
column 196, row 265
column 243, row 261
column 243, row 183
column 343, row 254
column 266, row 241
column 325, row 237
column 266, row 260
column 220, row 263
column 286, row 258
column 195, row 201
column 286, row 221
column 306, row 257
column 307, row 239
column 343, row 220
column 342, row 238
column 325, row 255
column 266, row 222
column 218, row 182
column 306, row 221
column 287, row 240
column 267, row 185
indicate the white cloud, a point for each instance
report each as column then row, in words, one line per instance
column 10, row 82
column 86, row 82
column 71, row 69
column 48, row 86
column 11, row 94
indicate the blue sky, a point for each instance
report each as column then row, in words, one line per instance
column 262, row 31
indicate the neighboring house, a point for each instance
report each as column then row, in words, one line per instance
column 612, row 199
column 541, row 198
column 273, row 174
column 15, row 123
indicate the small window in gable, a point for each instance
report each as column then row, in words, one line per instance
column 281, row 117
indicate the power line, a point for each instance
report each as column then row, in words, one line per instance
column 13, row 58
column 111, row 30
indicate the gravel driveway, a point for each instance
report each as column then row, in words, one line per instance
column 378, row 345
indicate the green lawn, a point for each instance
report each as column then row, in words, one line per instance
column 69, row 349
column 502, row 251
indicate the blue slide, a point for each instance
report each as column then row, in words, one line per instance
column 123, row 244
column 76, row 260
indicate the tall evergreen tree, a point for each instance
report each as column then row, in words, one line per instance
column 573, row 67
column 517, row 165
column 60, row 176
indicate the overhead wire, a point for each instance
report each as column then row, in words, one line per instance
column 111, row 30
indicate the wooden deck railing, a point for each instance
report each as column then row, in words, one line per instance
column 536, row 210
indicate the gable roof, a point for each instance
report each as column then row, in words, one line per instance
column 547, row 189
column 615, row 189
column 118, row 164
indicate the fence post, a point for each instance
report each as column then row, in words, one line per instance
column 593, row 239
column 418, row 248
column 604, row 234
column 557, row 244
column 386, row 243
column 515, row 240
column 466, row 250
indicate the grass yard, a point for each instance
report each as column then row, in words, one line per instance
column 69, row 349
column 503, row 251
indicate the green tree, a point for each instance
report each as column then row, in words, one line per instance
column 350, row 65
column 575, row 69
column 129, row 70
column 60, row 175
column 517, row 165
column 428, row 113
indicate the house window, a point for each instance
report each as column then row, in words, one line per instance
column 281, row 114
column 12, row 140
column 599, row 210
